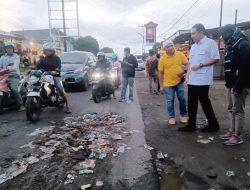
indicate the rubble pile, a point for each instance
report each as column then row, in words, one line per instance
column 81, row 139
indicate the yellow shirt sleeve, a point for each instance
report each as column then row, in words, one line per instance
column 184, row 59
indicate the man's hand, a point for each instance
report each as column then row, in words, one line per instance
column 162, row 90
column 180, row 74
column 53, row 72
column 195, row 67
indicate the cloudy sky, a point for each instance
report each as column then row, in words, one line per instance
column 114, row 23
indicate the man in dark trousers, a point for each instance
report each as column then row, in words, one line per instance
column 204, row 54
column 129, row 64
column 237, row 77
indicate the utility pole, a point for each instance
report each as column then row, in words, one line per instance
column 236, row 15
column 61, row 14
column 64, row 27
column 221, row 10
column 143, row 39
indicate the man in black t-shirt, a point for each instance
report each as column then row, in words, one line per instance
column 129, row 64
column 52, row 63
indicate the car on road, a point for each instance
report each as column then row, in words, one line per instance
column 77, row 67
column 141, row 65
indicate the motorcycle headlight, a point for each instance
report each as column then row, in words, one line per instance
column 112, row 75
column 33, row 79
column 97, row 75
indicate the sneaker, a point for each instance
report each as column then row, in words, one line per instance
column 21, row 108
column 131, row 98
column 209, row 129
column 233, row 140
column 184, row 119
column 171, row 121
column 226, row 136
column 122, row 100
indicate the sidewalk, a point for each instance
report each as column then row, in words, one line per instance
column 194, row 160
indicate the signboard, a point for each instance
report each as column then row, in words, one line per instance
column 150, row 33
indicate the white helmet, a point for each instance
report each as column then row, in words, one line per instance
column 49, row 46
column 100, row 54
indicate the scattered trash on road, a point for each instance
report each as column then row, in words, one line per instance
column 230, row 174
column 160, row 156
column 205, row 141
column 148, row 147
column 87, row 164
column 32, row 160
column 99, row 183
column 83, row 187
column 85, row 171
column 69, row 180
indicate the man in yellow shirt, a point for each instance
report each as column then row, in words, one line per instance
column 171, row 70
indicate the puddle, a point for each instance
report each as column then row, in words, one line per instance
column 188, row 182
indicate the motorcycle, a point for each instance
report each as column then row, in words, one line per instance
column 8, row 101
column 41, row 93
column 103, row 84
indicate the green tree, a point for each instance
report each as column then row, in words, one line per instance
column 87, row 43
column 247, row 33
column 107, row 50
column 156, row 46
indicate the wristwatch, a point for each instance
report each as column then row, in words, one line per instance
column 201, row 65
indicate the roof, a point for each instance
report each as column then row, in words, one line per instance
column 10, row 35
column 40, row 36
column 212, row 33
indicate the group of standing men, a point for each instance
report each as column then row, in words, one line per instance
column 174, row 70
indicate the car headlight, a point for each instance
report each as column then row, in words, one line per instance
column 33, row 79
column 77, row 71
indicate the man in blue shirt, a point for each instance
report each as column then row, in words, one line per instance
column 204, row 54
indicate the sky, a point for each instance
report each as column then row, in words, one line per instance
column 114, row 23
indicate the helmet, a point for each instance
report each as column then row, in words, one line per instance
column 8, row 44
column 49, row 46
column 100, row 54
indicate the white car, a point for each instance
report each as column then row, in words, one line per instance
column 141, row 65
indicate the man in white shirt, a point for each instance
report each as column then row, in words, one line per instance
column 204, row 54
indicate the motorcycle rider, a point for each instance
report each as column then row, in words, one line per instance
column 52, row 63
column 11, row 62
column 104, row 66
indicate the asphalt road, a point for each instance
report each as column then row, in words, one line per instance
column 131, row 171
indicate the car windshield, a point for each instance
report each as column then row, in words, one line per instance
column 73, row 58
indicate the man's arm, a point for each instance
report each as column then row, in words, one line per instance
column 243, row 69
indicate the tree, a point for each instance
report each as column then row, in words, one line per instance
column 156, row 46
column 247, row 33
column 87, row 43
column 107, row 50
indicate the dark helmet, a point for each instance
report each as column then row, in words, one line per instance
column 230, row 34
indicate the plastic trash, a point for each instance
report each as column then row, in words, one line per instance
column 148, row 147
column 83, row 187
column 117, row 137
column 230, row 174
column 69, row 180
column 85, row 171
column 99, row 183
column 160, row 156
column 87, row 164
column 32, row 160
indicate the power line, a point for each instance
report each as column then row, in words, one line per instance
column 180, row 18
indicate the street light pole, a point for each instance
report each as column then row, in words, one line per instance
column 143, row 48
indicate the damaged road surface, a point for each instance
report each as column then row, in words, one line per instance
column 98, row 147
column 194, row 161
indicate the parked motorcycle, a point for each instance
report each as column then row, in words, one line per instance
column 41, row 93
column 8, row 101
column 103, row 84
